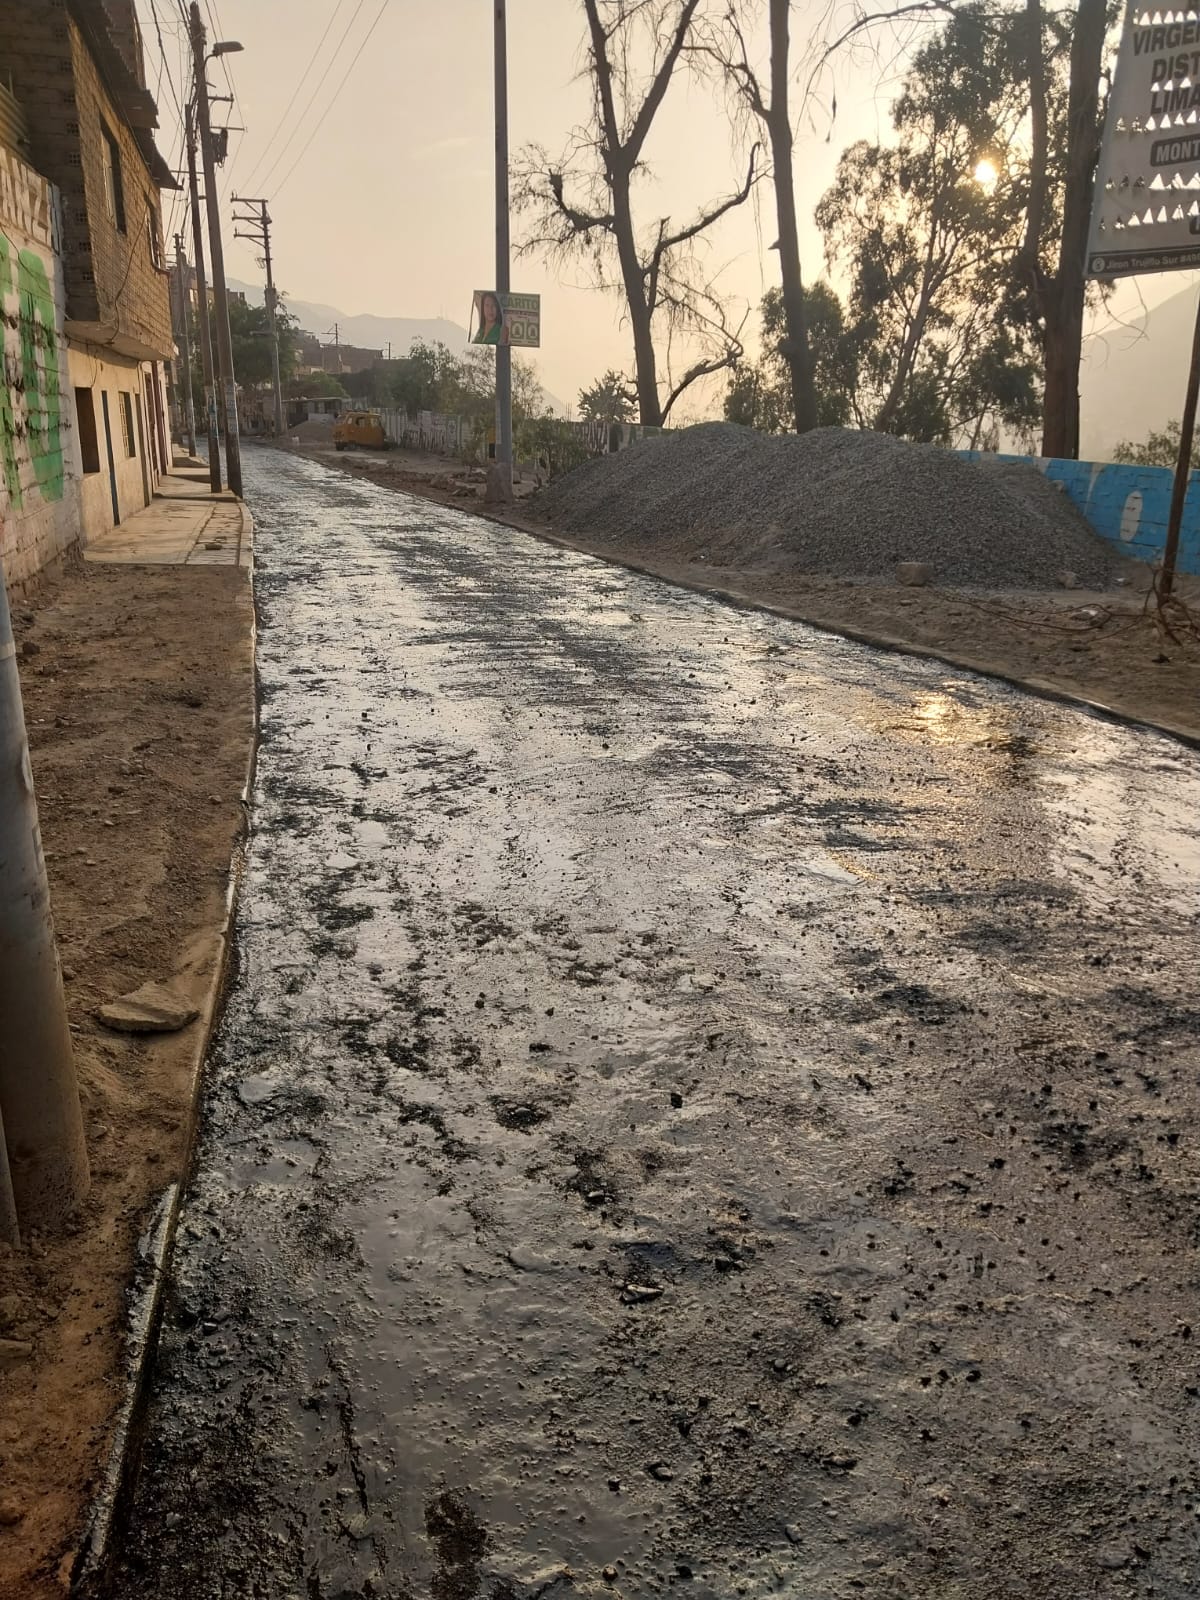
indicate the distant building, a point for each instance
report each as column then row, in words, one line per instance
column 335, row 358
column 86, row 299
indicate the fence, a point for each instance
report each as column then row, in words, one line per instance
column 439, row 435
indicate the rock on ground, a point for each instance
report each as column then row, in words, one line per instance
column 150, row 1009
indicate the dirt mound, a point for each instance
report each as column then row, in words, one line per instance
column 836, row 502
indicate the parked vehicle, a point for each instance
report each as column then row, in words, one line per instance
column 361, row 429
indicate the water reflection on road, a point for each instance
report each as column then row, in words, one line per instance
column 702, row 1105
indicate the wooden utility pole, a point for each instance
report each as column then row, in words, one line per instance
column 44, row 1172
column 233, row 452
column 260, row 233
column 204, row 323
column 189, row 405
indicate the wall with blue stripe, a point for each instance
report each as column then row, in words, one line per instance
column 1128, row 506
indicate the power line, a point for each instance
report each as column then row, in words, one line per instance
column 164, row 69
column 320, row 83
column 217, row 32
column 312, row 61
column 317, row 127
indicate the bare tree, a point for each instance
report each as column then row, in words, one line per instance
column 581, row 206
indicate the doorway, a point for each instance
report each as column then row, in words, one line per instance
column 112, row 465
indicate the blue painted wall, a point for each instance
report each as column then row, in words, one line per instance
column 1128, row 506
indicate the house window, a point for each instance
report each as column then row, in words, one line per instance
column 89, row 446
column 152, row 227
column 114, row 195
column 127, row 422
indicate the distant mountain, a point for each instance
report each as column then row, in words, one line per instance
column 367, row 331
column 1134, row 376
column 370, row 332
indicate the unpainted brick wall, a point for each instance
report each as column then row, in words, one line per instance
column 110, row 276
column 131, row 293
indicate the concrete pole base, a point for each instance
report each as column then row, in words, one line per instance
column 39, row 1097
column 499, row 491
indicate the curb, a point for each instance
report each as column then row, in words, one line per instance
column 1040, row 687
column 89, row 1568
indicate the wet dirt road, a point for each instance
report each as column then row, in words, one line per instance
column 703, row 1108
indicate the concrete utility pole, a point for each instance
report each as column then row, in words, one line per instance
column 233, row 451
column 204, row 322
column 500, row 471
column 189, row 405
column 10, row 1228
column 45, row 1162
column 260, row 233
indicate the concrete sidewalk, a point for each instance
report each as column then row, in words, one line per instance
column 184, row 525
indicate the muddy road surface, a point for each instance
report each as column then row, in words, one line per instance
column 703, row 1108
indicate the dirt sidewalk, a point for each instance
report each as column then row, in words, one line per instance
column 1102, row 648
column 138, row 686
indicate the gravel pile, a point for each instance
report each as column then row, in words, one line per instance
column 832, row 502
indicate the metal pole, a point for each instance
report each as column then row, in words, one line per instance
column 233, row 453
column 39, row 1097
column 1183, row 470
column 500, row 473
column 271, row 310
column 205, row 326
column 189, row 404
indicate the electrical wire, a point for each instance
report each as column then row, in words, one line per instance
column 317, row 126
column 262, row 182
column 312, row 61
column 164, row 70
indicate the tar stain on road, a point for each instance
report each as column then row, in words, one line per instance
column 703, row 1108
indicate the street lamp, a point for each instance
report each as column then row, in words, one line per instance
column 225, row 47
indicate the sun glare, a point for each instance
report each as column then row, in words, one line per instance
column 986, row 173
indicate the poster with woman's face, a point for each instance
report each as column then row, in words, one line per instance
column 488, row 318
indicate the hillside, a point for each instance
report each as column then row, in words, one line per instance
column 365, row 329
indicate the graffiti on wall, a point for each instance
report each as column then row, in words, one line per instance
column 31, row 395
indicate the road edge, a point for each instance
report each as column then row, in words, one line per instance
column 1041, row 687
column 89, row 1573
column 745, row 601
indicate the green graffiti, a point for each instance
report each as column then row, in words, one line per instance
column 8, row 437
column 35, row 377
column 39, row 363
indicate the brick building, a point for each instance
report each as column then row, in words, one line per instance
column 337, row 358
column 86, row 118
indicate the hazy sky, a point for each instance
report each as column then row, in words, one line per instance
column 390, row 208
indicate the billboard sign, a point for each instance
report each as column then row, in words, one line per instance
column 1146, row 206
column 514, row 319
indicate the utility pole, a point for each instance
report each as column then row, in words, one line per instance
column 189, row 405
column 260, row 233
column 204, row 323
column 500, row 471
column 233, row 452
column 44, row 1173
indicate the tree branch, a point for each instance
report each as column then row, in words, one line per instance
column 706, row 218
column 661, row 81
